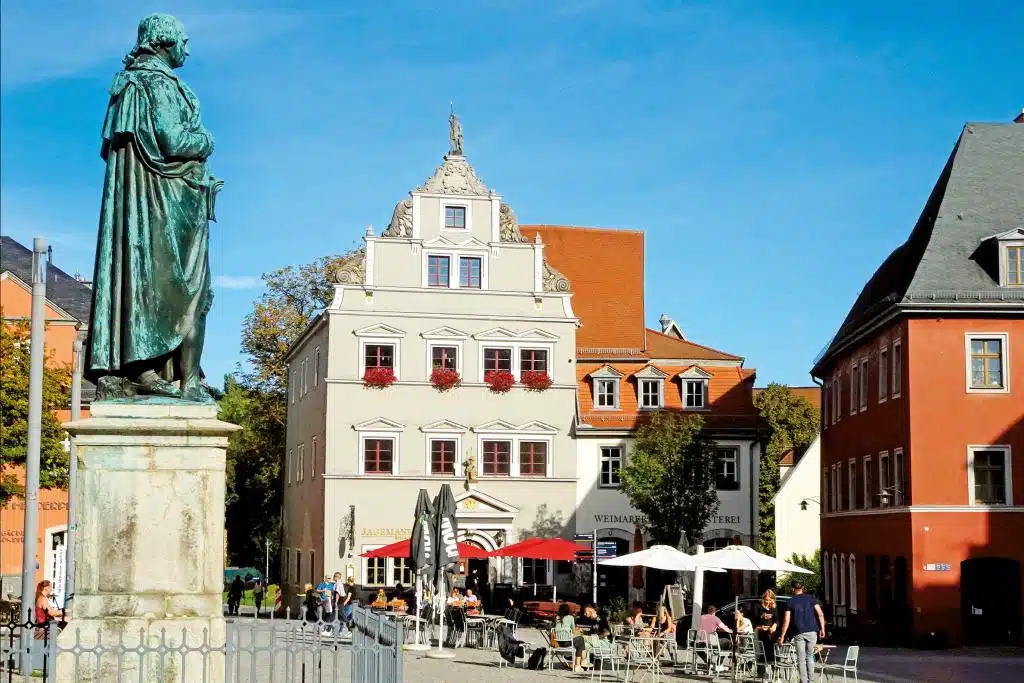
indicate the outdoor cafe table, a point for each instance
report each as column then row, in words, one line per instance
column 643, row 654
column 823, row 651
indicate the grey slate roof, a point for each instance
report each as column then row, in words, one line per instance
column 62, row 289
column 980, row 193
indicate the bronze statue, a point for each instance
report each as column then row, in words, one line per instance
column 152, row 288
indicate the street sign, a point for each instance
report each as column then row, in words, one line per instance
column 584, row 537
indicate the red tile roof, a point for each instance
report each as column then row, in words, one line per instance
column 664, row 346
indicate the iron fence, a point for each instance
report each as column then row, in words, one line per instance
column 368, row 649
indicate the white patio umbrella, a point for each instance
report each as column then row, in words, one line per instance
column 656, row 557
column 744, row 558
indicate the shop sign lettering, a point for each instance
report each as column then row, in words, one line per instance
column 636, row 520
column 385, row 532
column 726, row 519
column 43, row 505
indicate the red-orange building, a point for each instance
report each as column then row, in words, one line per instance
column 67, row 314
column 923, row 416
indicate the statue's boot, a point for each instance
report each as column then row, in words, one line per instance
column 153, row 384
column 192, row 389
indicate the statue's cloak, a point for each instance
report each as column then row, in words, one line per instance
column 152, row 279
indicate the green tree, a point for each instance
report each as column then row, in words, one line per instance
column 812, row 581
column 670, row 478
column 794, row 426
column 255, row 400
column 14, row 380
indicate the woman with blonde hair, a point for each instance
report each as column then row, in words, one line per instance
column 766, row 624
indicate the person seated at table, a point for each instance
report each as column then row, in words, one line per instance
column 636, row 615
column 712, row 625
column 743, row 625
column 472, row 602
column 662, row 624
column 588, row 619
column 565, row 635
column 455, row 598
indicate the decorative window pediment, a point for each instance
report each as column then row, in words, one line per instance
column 495, row 426
column 694, row 372
column 444, row 332
column 606, row 372
column 496, row 334
column 441, row 241
column 537, row 335
column 379, row 424
column 650, row 372
column 478, row 501
column 379, row 330
column 445, row 426
column 537, row 427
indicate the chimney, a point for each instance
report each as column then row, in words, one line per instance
column 666, row 323
column 1020, row 117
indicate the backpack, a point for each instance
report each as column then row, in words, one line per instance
column 536, row 660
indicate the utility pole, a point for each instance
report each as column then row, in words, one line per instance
column 266, row 570
column 76, row 414
column 35, row 421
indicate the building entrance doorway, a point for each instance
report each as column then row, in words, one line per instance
column 990, row 601
column 613, row 582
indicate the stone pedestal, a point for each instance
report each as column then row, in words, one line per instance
column 150, row 548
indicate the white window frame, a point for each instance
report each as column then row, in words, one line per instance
column 826, row 575
column 615, row 384
column 735, row 450
column 854, row 386
column 286, row 566
column 896, row 383
column 1004, row 339
column 454, row 203
column 842, row 579
column 826, row 398
column 513, row 467
column 297, row 553
column 864, row 384
column 1007, row 474
column 898, row 477
column 546, row 348
column 454, row 344
column 316, row 367
column 300, row 463
column 294, row 385
column 515, row 348
column 866, row 482
column 312, row 458
column 883, row 474
column 640, row 393
column 601, row 460
column 1004, row 258
column 289, row 458
column 394, row 436
column 393, row 569
column 703, row 393
column 883, row 373
column 380, row 341
column 851, row 483
column 852, row 581
column 837, row 414
column 365, row 566
column 825, row 488
column 444, row 436
column 835, row 488
column 453, row 256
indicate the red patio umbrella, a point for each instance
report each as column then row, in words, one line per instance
column 557, row 549
column 401, row 549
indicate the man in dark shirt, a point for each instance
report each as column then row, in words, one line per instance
column 804, row 614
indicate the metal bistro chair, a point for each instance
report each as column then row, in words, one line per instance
column 518, row 650
column 455, row 627
column 610, row 652
column 718, row 659
column 565, row 653
column 785, row 663
column 849, row 665
column 745, row 655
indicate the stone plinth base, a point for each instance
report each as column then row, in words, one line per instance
column 150, row 547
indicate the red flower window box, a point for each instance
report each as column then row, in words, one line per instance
column 535, row 380
column 445, row 379
column 379, row 378
column 500, row 381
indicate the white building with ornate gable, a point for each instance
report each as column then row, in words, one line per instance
column 450, row 284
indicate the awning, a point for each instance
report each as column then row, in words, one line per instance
column 557, row 549
column 402, row 549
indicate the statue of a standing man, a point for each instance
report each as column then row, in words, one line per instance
column 455, row 135
column 152, row 289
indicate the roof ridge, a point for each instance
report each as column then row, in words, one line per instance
column 693, row 343
column 591, row 228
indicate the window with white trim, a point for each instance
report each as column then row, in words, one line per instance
column 695, row 393
column 883, row 476
column 837, row 412
column 826, row 576
column 378, row 455
column 304, row 377
column 899, row 478
column 470, row 272
column 401, row 571
column 727, row 469
column 897, row 368
column 455, row 217
column 286, row 566
column 298, row 565
column 826, row 396
column 444, row 357
column 989, row 475
column 841, row 595
column 535, row 571
column 864, row 384
column 442, row 456
column 851, row 484
column 497, row 458
column 294, row 385
column 987, row 362
column 289, row 459
column 853, row 582
column 378, row 355
column 312, row 567
column 375, row 569
column 868, row 487
column 496, row 359
column 438, row 271
column 533, row 458
column 650, row 391
column 312, row 458
column 533, row 360
column 606, row 392
column 316, row 367
column 300, row 461
column 611, row 462
column 854, row 385
column 883, row 374
column 825, row 490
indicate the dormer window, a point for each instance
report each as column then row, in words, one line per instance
column 455, row 217
column 694, row 388
column 1015, row 265
column 650, row 388
column 606, row 381
column 1010, row 245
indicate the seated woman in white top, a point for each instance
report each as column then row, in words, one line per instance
column 743, row 625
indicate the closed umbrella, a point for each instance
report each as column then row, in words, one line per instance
column 638, row 572
column 421, row 553
column 446, row 529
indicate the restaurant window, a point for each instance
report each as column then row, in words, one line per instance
column 897, row 368
column 696, row 393
column 378, row 456
column 401, row 571
column 470, row 269
column 442, row 456
column 870, row 585
column 533, row 458
column 852, row 582
column 497, row 458
column 438, row 271
column 380, row 356
column 611, row 462
column 987, row 362
column 650, row 393
column 883, row 374
column 535, row 571
column 497, row 359
column 607, row 391
column 727, row 471
column 533, row 360
column 444, row 358
column 864, row 384
column 376, row 569
column 990, row 475
column 455, row 217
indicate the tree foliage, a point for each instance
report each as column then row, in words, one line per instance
column 14, row 380
column 794, row 426
column 256, row 401
column 811, row 582
column 670, row 478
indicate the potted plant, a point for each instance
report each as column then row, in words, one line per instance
column 379, row 378
column 445, row 379
column 500, row 381
column 535, row 380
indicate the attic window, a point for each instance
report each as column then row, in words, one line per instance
column 1015, row 265
column 455, row 217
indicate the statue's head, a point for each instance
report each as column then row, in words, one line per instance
column 164, row 36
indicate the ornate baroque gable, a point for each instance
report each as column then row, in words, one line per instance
column 554, row 281
column 352, row 273
column 456, row 176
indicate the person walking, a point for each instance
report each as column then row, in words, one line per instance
column 803, row 613
column 235, row 596
column 257, row 595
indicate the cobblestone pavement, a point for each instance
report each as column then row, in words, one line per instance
column 948, row 666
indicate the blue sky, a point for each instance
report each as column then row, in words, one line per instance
column 774, row 152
